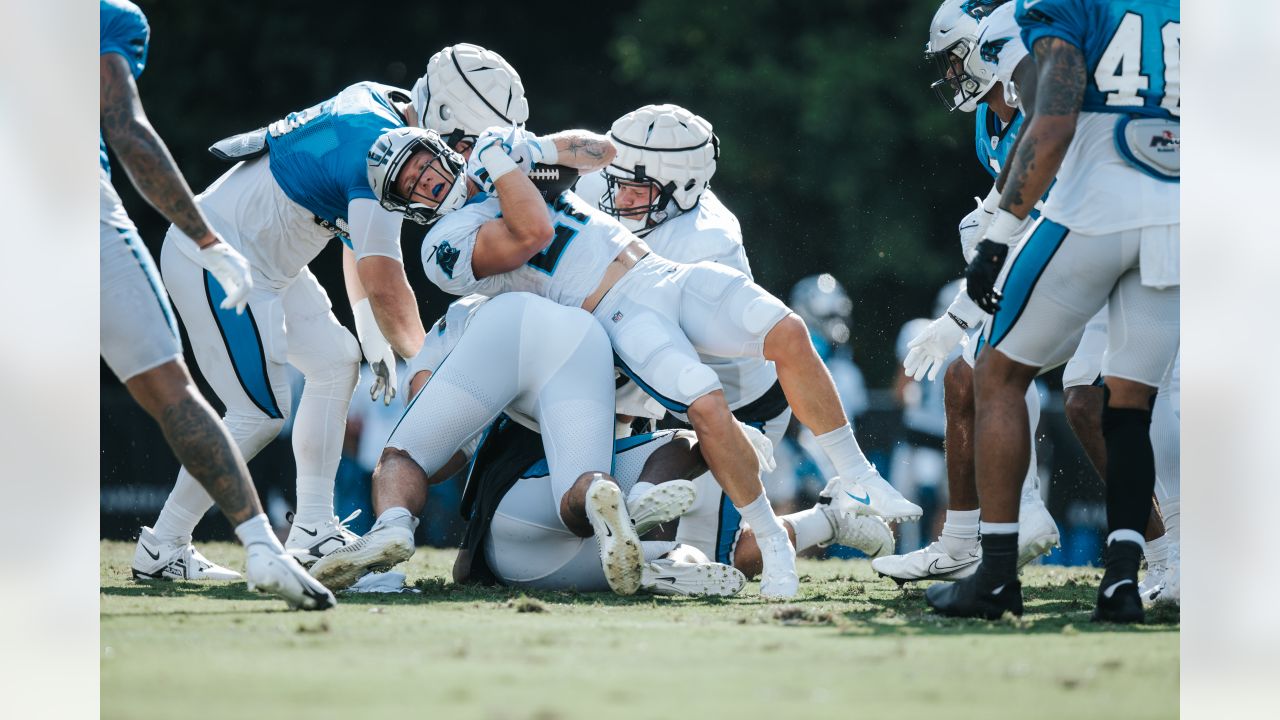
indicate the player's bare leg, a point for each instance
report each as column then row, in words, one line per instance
column 811, row 392
column 733, row 462
column 962, row 482
column 206, row 449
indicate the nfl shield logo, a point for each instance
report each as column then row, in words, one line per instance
column 617, row 316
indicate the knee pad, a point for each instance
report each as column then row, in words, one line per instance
column 694, row 381
column 252, row 432
column 762, row 312
column 338, row 361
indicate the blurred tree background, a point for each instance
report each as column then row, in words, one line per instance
column 836, row 156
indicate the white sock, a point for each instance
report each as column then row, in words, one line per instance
column 993, row 528
column 315, row 500
column 759, row 515
column 960, row 532
column 398, row 517
column 187, row 504
column 813, row 526
column 1171, row 511
column 256, row 530
column 842, row 449
column 1158, row 550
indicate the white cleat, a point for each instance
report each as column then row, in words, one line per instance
column 671, row 577
column 1037, row 532
column 663, row 503
column 1162, row 584
column 269, row 571
column 932, row 562
column 778, row 578
column 381, row 549
column 309, row 543
column 620, row 553
column 154, row 560
column 871, row 494
column 866, row 533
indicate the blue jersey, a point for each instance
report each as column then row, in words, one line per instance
column 318, row 154
column 1131, row 48
column 994, row 139
column 124, row 31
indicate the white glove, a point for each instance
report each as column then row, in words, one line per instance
column 232, row 272
column 931, row 347
column 377, row 352
column 970, row 233
column 499, row 150
column 763, row 447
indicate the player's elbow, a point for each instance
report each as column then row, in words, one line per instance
column 534, row 237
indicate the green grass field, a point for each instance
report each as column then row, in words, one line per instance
column 851, row 646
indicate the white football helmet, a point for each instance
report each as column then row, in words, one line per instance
column 389, row 154
column 823, row 304
column 963, row 76
column 668, row 147
column 467, row 89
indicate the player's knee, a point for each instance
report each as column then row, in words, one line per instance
column 394, row 461
column 254, row 429
column 788, row 337
column 710, row 413
column 1082, row 406
column 1131, row 394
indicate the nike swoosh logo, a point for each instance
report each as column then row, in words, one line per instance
column 999, row 590
column 969, row 227
column 865, row 500
column 312, row 533
column 154, row 556
column 671, row 579
column 1108, row 592
column 935, row 567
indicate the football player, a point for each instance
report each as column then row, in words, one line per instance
column 140, row 337
column 1105, row 123
column 574, row 254
column 296, row 185
column 976, row 48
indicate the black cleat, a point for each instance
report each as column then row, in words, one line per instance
column 1118, row 599
column 965, row 598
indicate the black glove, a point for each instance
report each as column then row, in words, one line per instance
column 982, row 273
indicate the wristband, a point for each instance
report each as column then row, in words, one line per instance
column 496, row 162
column 550, row 153
column 1004, row 228
column 964, row 311
column 991, row 203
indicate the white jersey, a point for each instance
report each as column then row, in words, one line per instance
column 1000, row 45
column 566, row 272
column 710, row 232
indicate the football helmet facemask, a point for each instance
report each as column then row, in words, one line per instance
column 390, row 154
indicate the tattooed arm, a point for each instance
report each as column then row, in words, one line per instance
column 1024, row 79
column 583, row 150
column 1059, row 91
column 143, row 154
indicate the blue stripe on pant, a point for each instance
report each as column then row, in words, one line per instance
column 244, row 346
column 1027, row 268
column 727, row 530
column 666, row 402
column 140, row 253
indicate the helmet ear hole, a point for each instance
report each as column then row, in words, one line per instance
column 689, row 185
column 445, row 112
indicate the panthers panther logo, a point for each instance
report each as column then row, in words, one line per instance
column 991, row 49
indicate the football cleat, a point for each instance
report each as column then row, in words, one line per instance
column 670, row 577
column 155, row 560
column 1118, row 600
column 871, row 494
column 932, row 562
column 1163, row 583
column 1037, row 532
column 869, row 534
column 269, row 571
column 620, row 553
column 309, row 543
column 778, row 577
column 663, row 503
column 966, row 598
column 379, row 550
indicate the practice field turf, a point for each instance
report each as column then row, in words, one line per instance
column 851, row 646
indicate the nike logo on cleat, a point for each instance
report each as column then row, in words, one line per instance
column 154, row 556
column 670, row 579
column 865, row 500
column 312, row 533
column 936, row 568
column 999, row 590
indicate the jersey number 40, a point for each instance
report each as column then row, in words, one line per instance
column 1119, row 74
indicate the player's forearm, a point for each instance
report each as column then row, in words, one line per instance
column 583, row 150
column 524, row 211
column 156, row 176
column 394, row 305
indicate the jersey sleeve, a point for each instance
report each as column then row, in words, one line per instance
column 124, row 31
column 374, row 230
column 447, row 249
column 1065, row 19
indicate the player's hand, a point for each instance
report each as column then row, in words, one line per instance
column 384, row 379
column 377, row 352
column 982, row 273
column 231, row 269
column 931, row 347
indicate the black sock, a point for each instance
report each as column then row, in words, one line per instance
column 1122, row 560
column 1131, row 468
column 999, row 559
